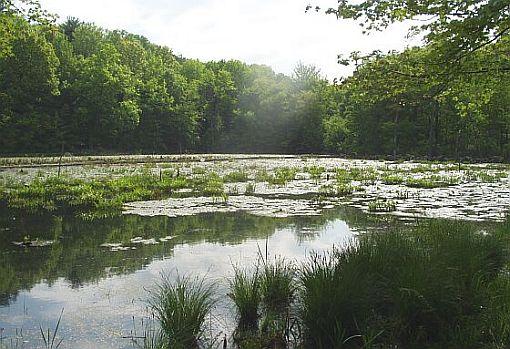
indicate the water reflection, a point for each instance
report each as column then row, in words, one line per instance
column 103, row 292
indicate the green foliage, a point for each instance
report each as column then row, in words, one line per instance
column 362, row 174
column 250, row 189
column 210, row 184
column 486, row 177
column 315, row 172
column 80, row 88
column 465, row 25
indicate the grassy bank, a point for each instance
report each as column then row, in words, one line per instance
column 441, row 285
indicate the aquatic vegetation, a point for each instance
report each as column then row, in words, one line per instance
column 392, row 179
column 49, row 336
column 208, row 185
column 198, row 170
column 367, row 175
column 381, row 205
column 343, row 175
column 340, row 189
column 262, row 175
column 277, row 285
column 236, row 176
column 431, row 182
column 181, row 307
column 486, row 177
column 282, row 175
column 233, row 190
column 315, row 172
column 88, row 198
column 449, row 270
column 403, row 194
column 245, row 293
column 250, row 189
column 424, row 168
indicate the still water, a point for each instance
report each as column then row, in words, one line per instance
column 101, row 273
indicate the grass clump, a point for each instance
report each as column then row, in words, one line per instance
column 180, row 308
column 236, row 176
column 282, row 175
column 486, row 177
column 209, row 185
column 262, row 176
column 366, row 175
column 315, row 172
column 392, row 179
column 245, row 293
column 340, row 189
column 277, row 285
column 250, row 189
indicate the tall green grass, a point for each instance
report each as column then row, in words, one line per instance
column 277, row 285
column 427, row 288
column 181, row 307
column 245, row 293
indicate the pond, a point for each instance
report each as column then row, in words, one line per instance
column 101, row 273
column 103, row 289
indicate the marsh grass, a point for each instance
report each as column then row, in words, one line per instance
column 485, row 176
column 366, row 175
column 49, row 336
column 442, row 284
column 439, row 285
column 431, row 182
column 282, row 176
column 315, row 172
column 277, row 285
column 245, row 293
column 392, row 179
column 381, row 205
column 262, row 175
column 181, row 307
column 338, row 190
column 250, row 189
column 97, row 198
column 236, row 176
column 210, row 184
column 263, row 300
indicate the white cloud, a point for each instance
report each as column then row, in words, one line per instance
column 273, row 32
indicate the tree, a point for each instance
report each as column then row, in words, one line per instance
column 29, row 10
column 468, row 24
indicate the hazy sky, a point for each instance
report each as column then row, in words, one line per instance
column 277, row 33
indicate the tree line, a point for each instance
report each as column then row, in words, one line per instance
column 76, row 87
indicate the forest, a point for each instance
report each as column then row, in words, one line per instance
column 74, row 87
